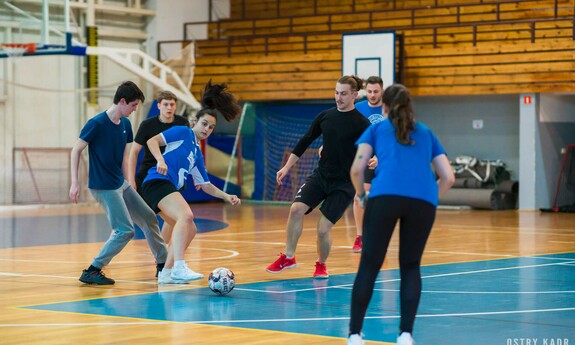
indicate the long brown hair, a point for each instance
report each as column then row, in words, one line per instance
column 218, row 101
column 398, row 100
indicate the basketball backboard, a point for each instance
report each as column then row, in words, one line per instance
column 36, row 28
column 369, row 54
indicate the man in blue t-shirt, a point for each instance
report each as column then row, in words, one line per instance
column 106, row 135
column 372, row 108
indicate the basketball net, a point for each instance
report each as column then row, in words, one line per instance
column 14, row 50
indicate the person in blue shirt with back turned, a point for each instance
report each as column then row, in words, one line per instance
column 107, row 135
column 404, row 188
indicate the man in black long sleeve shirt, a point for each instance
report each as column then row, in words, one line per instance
column 330, row 182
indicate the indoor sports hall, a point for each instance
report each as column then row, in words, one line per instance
column 493, row 79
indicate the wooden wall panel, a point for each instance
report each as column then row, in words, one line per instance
column 310, row 76
column 547, row 66
column 454, row 50
column 402, row 15
column 513, row 68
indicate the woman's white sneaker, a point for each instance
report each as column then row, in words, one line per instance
column 355, row 339
column 185, row 274
column 165, row 277
column 405, row 338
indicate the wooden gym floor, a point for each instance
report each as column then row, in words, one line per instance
column 490, row 278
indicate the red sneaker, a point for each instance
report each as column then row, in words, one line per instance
column 320, row 271
column 357, row 245
column 281, row 264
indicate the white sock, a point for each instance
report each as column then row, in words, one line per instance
column 166, row 271
column 289, row 257
column 180, row 264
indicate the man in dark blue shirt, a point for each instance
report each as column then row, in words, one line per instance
column 106, row 135
column 372, row 108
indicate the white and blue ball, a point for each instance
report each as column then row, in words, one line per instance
column 221, row 281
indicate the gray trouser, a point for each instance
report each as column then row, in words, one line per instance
column 124, row 206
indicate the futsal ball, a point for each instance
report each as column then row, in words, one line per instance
column 221, row 281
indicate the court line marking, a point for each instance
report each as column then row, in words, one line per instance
column 486, row 292
column 484, row 271
column 342, row 286
column 449, row 226
column 265, row 243
column 548, row 258
column 467, row 253
column 347, row 318
column 348, row 286
column 259, row 232
column 437, row 227
column 232, row 254
column 518, row 230
column 85, row 324
column 152, row 282
column 506, row 312
column 568, row 262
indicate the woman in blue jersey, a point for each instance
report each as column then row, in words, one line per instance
column 404, row 188
column 182, row 156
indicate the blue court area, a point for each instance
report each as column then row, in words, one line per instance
column 476, row 303
column 54, row 230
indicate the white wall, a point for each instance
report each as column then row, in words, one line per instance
column 547, row 125
column 46, row 106
column 171, row 16
column 528, row 150
column 451, row 118
column 110, row 74
column 556, row 129
column 41, row 108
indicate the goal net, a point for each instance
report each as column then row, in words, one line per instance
column 267, row 134
column 42, row 176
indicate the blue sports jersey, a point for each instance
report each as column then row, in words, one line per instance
column 373, row 114
column 403, row 170
column 183, row 156
column 106, row 144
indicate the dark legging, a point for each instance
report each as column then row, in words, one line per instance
column 416, row 218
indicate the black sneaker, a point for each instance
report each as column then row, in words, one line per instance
column 95, row 277
column 159, row 268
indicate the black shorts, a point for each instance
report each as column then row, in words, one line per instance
column 336, row 195
column 368, row 175
column 153, row 191
column 139, row 182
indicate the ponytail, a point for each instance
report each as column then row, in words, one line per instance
column 218, row 101
column 398, row 100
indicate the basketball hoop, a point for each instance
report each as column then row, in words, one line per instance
column 11, row 50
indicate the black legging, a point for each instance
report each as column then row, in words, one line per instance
column 416, row 218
